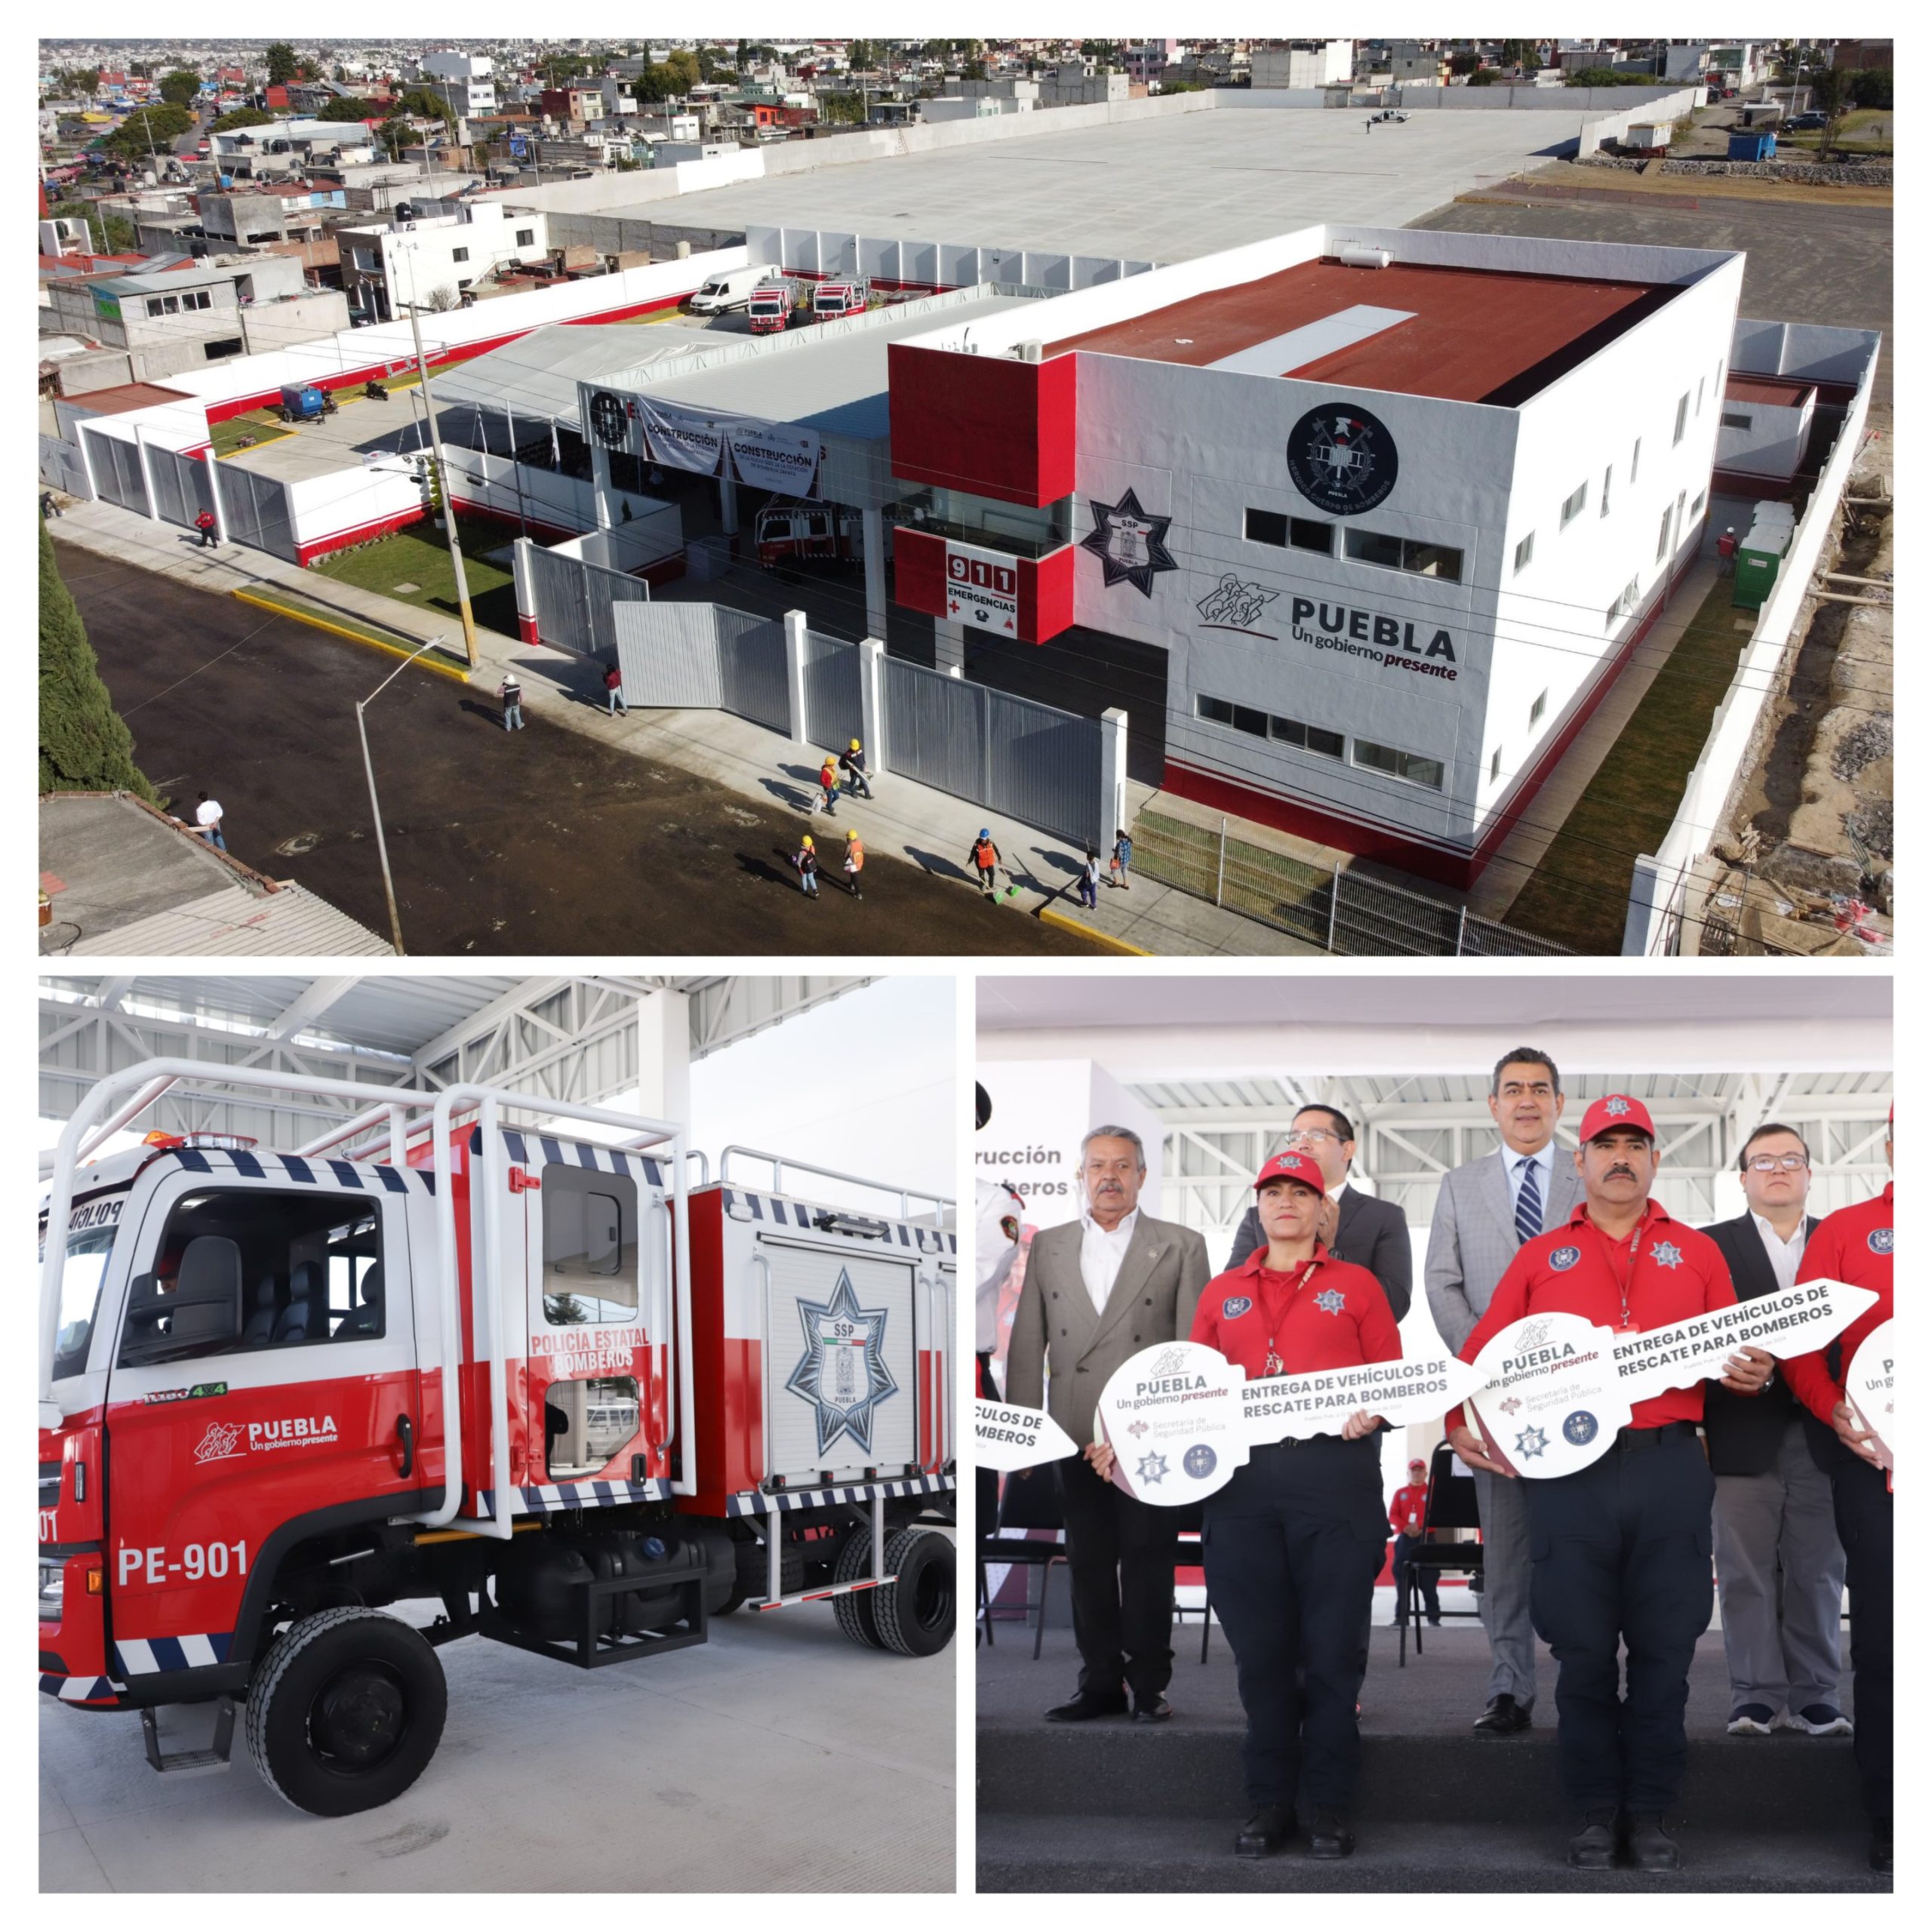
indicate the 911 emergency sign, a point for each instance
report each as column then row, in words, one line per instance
column 982, row 589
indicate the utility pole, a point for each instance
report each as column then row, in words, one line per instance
column 443, row 484
column 375, row 803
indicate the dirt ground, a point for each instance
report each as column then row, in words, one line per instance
column 538, row 841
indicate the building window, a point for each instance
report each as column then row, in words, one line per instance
column 526, row 238
column 1603, row 507
column 1537, row 709
column 1573, row 505
column 170, row 305
column 1683, row 411
column 459, row 255
column 1663, row 535
column 1306, row 533
column 1697, row 506
column 1733, row 419
column 1238, row 716
column 1525, row 550
column 1306, row 737
column 1700, row 395
column 153, row 305
column 227, row 345
column 1403, row 553
column 1259, row 724
column 1266, row 527
column 1411, row 767
column 1636, row 450
column 1496, row 764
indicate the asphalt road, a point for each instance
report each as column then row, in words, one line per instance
column 540, row 841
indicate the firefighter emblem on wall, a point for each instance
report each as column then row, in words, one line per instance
column 842, row 1372
column 1342, row 458
column 1130, row 545
column 610, row 420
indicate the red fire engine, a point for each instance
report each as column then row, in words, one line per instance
column 545, row 1382
column 792, row 531
column 769, row 308
column 832, row 299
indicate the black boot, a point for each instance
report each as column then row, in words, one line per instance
column 1880, row 1856
column 1266, row 1833
column 1594, row 1848
column 1085, row 1705
column 1330, row 1835
column 1652, row 1848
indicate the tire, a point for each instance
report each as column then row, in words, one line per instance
column 344, row 1711
column 855, row 1609
column 915, row 1615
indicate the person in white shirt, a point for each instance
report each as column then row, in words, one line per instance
column 1780, row 1565
column 1096, row 1292
column 207, row 822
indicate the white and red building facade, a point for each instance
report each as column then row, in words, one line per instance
column 1397, row 505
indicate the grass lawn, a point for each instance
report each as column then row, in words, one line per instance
column 1578, row 892
column 297, row 605
column 420, row 555
column 261, row 424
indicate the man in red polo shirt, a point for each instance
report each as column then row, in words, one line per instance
column 1620, row 1551
column 1407, row 1514
column 1855, row 1245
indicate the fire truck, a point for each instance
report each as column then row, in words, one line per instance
column 769, row 308
column 792, row 531
column 832, row 299
column 551, row 1390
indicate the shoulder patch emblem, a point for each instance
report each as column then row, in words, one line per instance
column 1879, row 1241
column 1563, row 1258
column 1331, row 1301
column 1234, row 1307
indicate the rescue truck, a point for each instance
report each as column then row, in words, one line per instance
column 792, row 531
column 547, row 1385
column 832, row 299
column 768, row 308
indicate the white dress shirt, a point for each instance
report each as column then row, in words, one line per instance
column 1544, row 1161
column 1101, row 1254
column 1784, row 1255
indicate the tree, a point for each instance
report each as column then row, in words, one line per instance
column 111, row 234
column 1465, row 63
column 85, row 744
column 861, row 56
column 80, row 81
column 1872, row 87
column 239, row 117
column 1829, row 87
column 1518, row 54
column 841, row 109
column 283, row 65
column 180, row 88
column 151, row 128
column 346, row 107
column 681, row 64
column 973, row 70
column 1483, row 77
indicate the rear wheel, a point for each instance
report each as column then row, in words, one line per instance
column 345, row 1711
column 854, row 1609
column 914, row 1614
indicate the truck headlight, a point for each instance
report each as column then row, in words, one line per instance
column 52, row 1589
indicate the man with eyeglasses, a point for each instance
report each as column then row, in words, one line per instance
column 1485, row 1210
column 1355, row 1227
column 1780, row 1567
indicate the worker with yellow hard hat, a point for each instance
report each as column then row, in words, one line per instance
column 855, row 862
column 852, row 762
column 805, row 860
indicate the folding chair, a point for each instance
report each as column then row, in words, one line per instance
column 1188, row 1557
column 1451, row 1506
column 1030, row 1501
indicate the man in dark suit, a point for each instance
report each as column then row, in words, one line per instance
column 1780, row 1566
column 1355, row 1226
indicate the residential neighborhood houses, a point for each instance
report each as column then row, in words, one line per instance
column 239, row 241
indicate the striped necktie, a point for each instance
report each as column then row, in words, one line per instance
column 1529, row 1202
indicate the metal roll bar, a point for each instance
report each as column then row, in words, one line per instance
column 779, row 1162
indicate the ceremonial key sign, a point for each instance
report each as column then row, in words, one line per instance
column 1555, row 1388
column 1868, row 1388
column 1007, row 1437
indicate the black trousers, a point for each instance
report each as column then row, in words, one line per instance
column 1420, row 1575
column 1119, row 1555
column 1292, row 1547
column 1621, row 1552
column 1863, row 1507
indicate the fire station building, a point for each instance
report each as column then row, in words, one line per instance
column 1397, row 507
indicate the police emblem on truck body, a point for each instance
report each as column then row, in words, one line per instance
column 842, row 1372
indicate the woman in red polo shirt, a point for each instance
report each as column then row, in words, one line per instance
column 1292, row 1545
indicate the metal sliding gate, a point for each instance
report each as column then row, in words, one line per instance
column 256, row 510
column 834, row 712
column 752, row 669
column 681, row 656
column 117, row 470
column 1027, row 760
column 577, row 602
column 181, row 487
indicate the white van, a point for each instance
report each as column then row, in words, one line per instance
column 732, row 290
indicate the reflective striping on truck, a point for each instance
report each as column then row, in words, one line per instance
column 542, row 1499
column 759, row 1503
column 768, row 1207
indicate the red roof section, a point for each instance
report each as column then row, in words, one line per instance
column 1779, row 391
column 125, row 396
column 1474, row 335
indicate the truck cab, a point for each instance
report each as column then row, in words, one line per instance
column 731, row 289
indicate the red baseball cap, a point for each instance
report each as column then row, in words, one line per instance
column 1416, row 1463
column 1293, row 1167
column 1615, row 1110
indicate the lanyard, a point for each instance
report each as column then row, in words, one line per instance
column 1273, row 1364
column 1627, row 1278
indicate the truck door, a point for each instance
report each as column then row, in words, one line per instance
column 265, row 1369
column 842, row 1382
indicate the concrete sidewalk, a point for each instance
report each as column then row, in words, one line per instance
column 933, row 829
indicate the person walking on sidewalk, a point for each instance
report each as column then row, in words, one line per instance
column 986, row 862
column 614, row 691
column 855, row 862
column 205, row 523
column 852, row 762
column 828, row 784
column 1122, row 859
column 509, row 693
column 1089, row 882
column 208, row 821
column 806, row 860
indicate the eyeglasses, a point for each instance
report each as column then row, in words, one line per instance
column 1769, row 1164
column 1309, row 1136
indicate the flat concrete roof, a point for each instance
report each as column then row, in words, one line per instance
column 1167, row 189
column 124, row 397
column 1469, row 335
column 1780, row 392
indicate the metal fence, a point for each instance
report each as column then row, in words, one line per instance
column 1341, row 910
column 61, row 469
column 752, row 673
column 833, row 709
column 181, row 489
column 681, row 656
column 117, row 471
column 1028, row 761
column 575, row 601
column 255, row 509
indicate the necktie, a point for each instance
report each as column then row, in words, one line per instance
column 1529, row 1204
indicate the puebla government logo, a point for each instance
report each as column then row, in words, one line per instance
column 1342, row 458
column 1130, row 544
column 843, row 1373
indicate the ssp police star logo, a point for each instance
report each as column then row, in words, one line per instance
column 1342, row 458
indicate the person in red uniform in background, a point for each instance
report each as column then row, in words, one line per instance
column 1292, row 1545
column 1855, row 1245
column 1407, row 1514
column 1622, row 1550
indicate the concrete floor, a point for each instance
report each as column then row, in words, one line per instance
column 1161, row 190
column 778, row 1757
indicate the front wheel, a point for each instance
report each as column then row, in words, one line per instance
column 345, row 1711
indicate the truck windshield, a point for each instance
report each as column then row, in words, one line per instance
column 92, row 1227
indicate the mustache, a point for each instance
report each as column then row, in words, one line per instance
column 1628, row 1173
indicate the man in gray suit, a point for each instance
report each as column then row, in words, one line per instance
column 1096, row 1291
column 1484, row 1211
column 1355, row 1226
